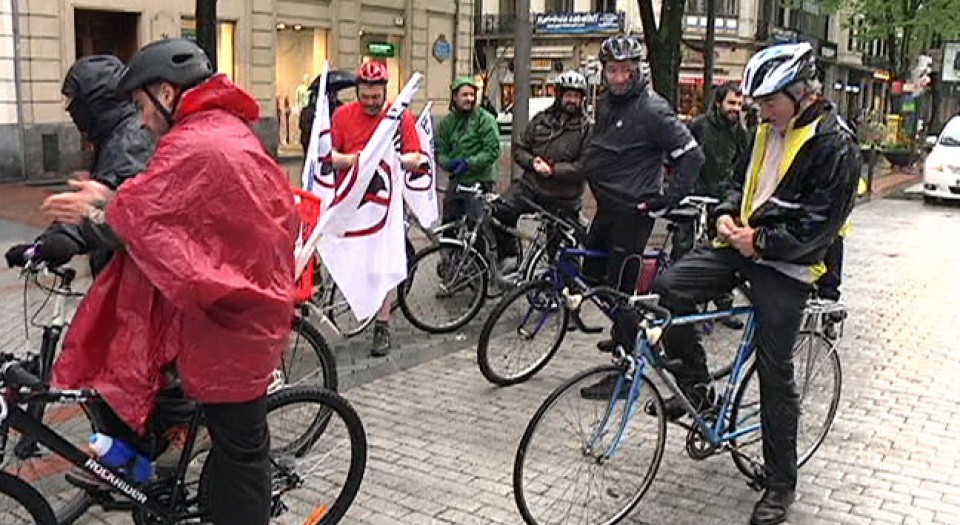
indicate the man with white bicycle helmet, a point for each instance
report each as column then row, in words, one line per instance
column 792, row 194
column 548, row 151
column 623, row 160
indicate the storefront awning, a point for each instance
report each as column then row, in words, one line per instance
column 543, row 52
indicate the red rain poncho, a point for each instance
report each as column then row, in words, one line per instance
column 206, row 277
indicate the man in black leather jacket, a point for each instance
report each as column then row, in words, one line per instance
column 636, row 131
column 121, row 149
column 548, row 152
column 793, row 194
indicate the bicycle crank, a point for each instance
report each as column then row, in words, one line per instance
column 698, row 446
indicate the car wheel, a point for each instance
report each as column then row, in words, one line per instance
column 930, row 199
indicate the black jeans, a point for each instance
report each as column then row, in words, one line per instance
column 778, row 301
column 625, row 236
column 682, row 244
column 239, row 460
column 511, row 206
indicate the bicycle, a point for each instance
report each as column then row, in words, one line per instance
column 536, row 307
column 630, row 427
column 295, row 457
column 448, row 281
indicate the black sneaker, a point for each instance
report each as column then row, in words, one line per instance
column 607, row 346
column 602, row 390
column 381, row 339
column 700, row 396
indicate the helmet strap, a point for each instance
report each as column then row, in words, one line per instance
column 167, row 114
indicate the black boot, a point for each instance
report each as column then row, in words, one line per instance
column 603, row 389
column 381, row 339
column 733, row 323
column 607, row 346
column 700, row 396
column 772, row 507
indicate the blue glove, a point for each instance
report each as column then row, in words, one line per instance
column 459, row 167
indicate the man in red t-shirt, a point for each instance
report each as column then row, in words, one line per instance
column 351, row 128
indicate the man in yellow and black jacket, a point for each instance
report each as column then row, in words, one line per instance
column 795, row 192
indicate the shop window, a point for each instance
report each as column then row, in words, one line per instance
column 605, row 6
column 301, row 55
column 226, row 39
column 558, row 6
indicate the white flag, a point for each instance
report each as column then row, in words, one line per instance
column 420, row 188
column 362, row 233
column 319, row 177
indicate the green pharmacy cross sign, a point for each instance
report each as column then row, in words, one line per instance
column 381, row 49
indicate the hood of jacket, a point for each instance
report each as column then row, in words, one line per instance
column 95, row 109
column 219, row 93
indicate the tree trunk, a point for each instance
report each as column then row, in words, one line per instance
column 207, row 28
column 708, row 54
column 663, row 45
column 522, row 42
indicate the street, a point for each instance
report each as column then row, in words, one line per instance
column 442, row 440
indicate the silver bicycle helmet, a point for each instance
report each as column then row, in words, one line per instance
column 778, row 67
column 571, row 80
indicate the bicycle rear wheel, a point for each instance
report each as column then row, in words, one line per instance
column 445, row 288
column 563, row 472
column 337, row 310
column 307, row 361
column 44, row 470
column 817, row 373
column 318, row 451
column 522, row 334
column 21, row 504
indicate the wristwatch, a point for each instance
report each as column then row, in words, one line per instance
column 98, row 213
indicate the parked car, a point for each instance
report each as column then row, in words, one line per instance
column 941, row 171
column 537, row 104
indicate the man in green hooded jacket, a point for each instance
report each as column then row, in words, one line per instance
column 468, row 145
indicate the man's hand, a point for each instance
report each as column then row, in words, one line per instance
column 542, row 167
column 742, row 240
column 410, row 161
column 725, row 227
column 342, row 160
column 73, row 207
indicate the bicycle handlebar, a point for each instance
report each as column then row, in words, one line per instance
column 14, row 375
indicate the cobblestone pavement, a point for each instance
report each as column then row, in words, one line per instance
column 442, row 440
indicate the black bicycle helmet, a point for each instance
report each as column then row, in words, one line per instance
column 620, row 48
column 177, row 61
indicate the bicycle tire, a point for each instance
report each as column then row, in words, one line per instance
column 338, row 311
column 310, row 363
column 477, row 285
column 539, row 259
column 751, row 467
column 584, row 450
column 44, row 469
column 37, row 509
column 320, row 427
column 533, row 293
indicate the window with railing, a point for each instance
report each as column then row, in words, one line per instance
column 724, row 7
column 604, row 6
column 558, row 6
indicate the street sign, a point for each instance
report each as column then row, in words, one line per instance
column 381, row 49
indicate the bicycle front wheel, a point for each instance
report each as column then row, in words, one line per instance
column 817, row 373
column 20, row 504
column 44, row 470
column 445, row 288
column 318, row 454
column 522, row 334
column 574, row 465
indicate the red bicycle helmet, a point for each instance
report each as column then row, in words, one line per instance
column 373, row 72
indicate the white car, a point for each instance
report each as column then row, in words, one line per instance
column 537, row 104
column 941, row 171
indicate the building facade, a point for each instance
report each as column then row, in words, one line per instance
column 266, row 46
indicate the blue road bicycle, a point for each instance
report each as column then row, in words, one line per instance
column 590, row 461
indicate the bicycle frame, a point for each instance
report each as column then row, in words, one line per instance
column 138, row 495
column 636, row 365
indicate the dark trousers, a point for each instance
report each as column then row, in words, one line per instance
column 778, row 301
column 828, row 286
column 239, row 462
column 512, row 205
column 625, row 236
column 682, row 244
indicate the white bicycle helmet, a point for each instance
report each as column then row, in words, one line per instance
column 571, row 80
column 777, row 67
